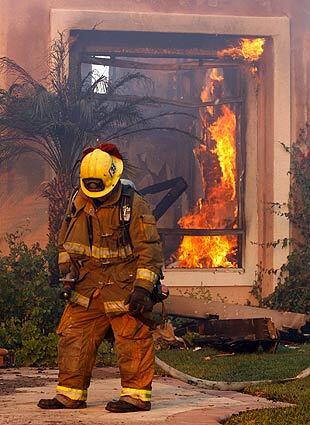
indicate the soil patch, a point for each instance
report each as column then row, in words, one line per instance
column 8, row 386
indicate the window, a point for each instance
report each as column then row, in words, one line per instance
column 199, row 94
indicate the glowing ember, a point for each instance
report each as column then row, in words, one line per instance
column 218, row 209
column 249, row 49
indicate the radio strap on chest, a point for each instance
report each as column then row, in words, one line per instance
column 125, row 211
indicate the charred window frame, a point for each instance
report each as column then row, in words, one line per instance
column 108, row 48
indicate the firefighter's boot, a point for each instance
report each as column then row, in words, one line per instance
column 61, row 402
column 127, row 405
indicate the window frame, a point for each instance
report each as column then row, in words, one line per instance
column 82, row 52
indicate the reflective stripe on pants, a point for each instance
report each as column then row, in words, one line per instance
column 72, row 393
column 143, row 395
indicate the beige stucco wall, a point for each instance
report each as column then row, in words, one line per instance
column 230, row 294
column 25, row 34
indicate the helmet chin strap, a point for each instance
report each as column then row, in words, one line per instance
column 102, row 199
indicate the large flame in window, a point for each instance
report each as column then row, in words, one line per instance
column 217, row 159
column 218, row 208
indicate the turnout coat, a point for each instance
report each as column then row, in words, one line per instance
column 105, row 257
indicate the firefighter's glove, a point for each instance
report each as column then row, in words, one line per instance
column 139, row 301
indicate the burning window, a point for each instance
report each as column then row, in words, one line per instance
column 217, row 208
column 201, row 88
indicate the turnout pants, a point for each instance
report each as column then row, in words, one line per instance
column 81, row 331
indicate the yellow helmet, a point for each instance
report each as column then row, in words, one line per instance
column 99, row 172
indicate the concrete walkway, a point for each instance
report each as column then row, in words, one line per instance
column 173, row 402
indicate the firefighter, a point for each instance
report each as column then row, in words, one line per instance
column 110, row 247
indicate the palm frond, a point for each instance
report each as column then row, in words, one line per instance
column 10, row 67
column 56, row 118
column 118, row 86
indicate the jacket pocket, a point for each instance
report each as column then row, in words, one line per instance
column 124, row 275
column 113, row 243
column 149, row 228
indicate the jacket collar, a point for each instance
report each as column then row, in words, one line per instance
column 82, row 201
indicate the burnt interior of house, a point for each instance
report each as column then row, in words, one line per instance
column 191, row 161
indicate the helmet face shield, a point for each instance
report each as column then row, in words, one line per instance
column 94, row 185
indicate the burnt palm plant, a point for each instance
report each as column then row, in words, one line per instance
column 56, row 118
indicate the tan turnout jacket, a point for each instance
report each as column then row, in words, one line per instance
column 105, row 260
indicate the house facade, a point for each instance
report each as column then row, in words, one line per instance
column 215, row 233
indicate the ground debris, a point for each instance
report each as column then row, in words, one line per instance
column 8, row 386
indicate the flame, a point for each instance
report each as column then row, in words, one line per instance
column 194, row 251
column 215, row 75
column 209, row 90
column 249, row 49
column 219, row 204
column 223, row 132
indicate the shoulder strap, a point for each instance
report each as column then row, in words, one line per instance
column 71, row 207
column 126, row 201
column 125, row 210
column 71, row 210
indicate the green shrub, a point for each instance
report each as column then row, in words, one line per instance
column 293, row 290
column 29, row 307
column 106, row 355
column 293, row 277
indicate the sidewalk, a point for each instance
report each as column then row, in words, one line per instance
column 173, row 402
